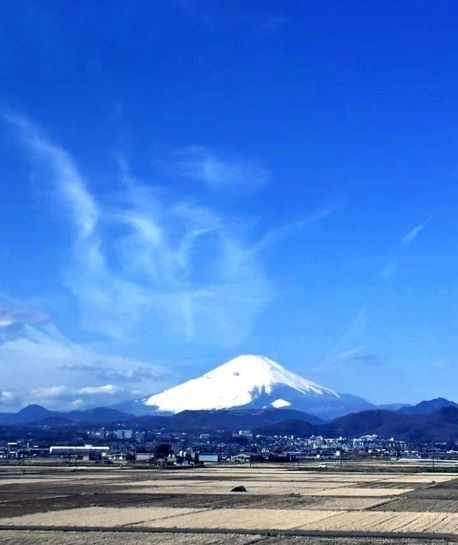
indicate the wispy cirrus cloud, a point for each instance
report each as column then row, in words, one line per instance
column 389, row 269
column 71, row 187
column 409, row 237
column 137, row 258
column 145, row 261
column 357, row 355
column 14, row 314
column 392, row 266
column 216, row 169
column 366, row 360
column 278, row 233
column 351, row 353
column 347, row 346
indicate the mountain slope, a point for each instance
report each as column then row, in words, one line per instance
column 36, row 413
column 29, row 414
column 427, row 407
column 236, row 419
column 295, row 426
column 393, row 406
column 253, row 382
column 441, row 425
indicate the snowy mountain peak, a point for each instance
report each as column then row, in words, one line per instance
column 261, row 372
column 236, row 383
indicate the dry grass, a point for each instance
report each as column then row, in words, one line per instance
column 376, row 521
column 27, row 481
column 169, row 538
column 363, row 492
column 346, row 504
column 10, row 537
column 239, row 519
column 421, row 505
column 97, row 516
column 428, row 478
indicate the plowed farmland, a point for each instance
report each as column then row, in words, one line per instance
column 281, row 505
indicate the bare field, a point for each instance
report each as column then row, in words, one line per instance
column 388, row 522
column 199, row 507
column 112, row 538
column 423, row 505
column 363, row 492
column 9, row 537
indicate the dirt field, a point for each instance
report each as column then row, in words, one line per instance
column 167, row 538
column 282, row 505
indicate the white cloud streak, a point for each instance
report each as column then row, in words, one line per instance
column 352, row 352
column 62, row 392
column 355, row 327
column 79, row 202
column 217, row 170
column 105, row 389
column 389, row 269
column 413, row 233
column 277, row 234
column 14, row 314
column 346, row 347
column 392, row 266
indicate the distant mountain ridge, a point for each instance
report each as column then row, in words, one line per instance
column 428, row 406
column 441, row 425
column 186, row 420
column 392, row 406
column 36, row 413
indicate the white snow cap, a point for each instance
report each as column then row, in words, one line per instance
column 233, row 384
column 280, row 403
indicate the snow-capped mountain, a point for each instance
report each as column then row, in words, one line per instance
column 236, row 383
column 252, row 382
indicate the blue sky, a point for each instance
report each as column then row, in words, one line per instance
column 185, row 181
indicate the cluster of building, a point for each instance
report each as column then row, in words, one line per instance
column 113, row 443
